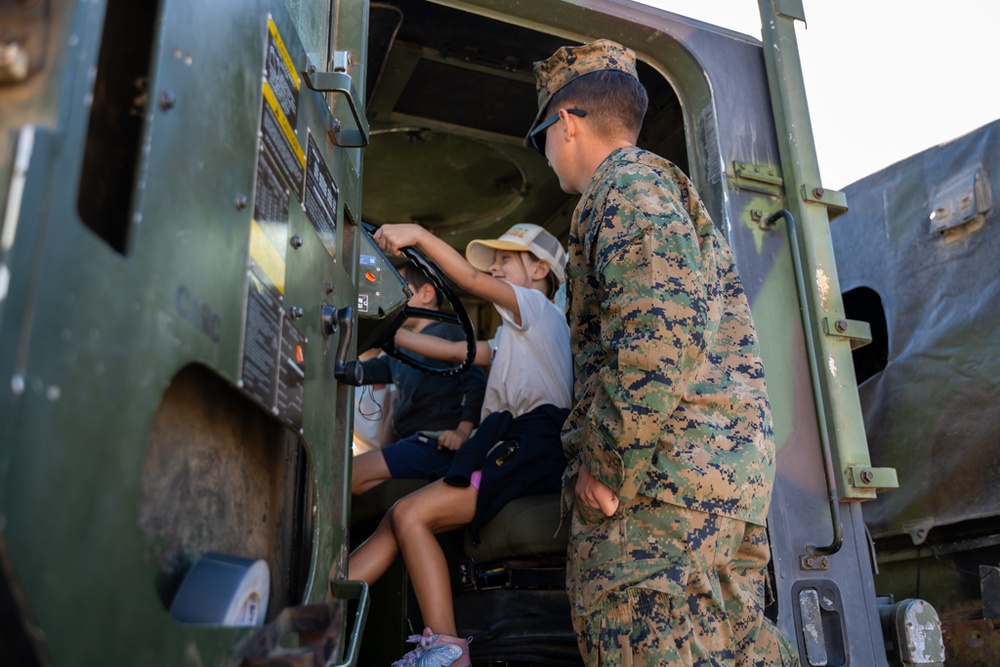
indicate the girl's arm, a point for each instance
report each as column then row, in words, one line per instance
column 391, row 238
column 439, row 348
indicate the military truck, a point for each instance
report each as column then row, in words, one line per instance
column 186, row 280
column 916, row 256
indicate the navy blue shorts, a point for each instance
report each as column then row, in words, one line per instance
column 417, row 457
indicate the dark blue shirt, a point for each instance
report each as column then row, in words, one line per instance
column 429, row 402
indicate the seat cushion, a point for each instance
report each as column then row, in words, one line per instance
column 526, row 527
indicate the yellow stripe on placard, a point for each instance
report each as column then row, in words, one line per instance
column 284, row 52
column 264, row 254
column 286, row 127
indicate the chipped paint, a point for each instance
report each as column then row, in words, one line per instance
column 823, row 286
column 923, row 634
column 833, row 367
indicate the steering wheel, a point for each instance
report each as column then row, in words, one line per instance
column 459, row 317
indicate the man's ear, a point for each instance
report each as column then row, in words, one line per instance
column 570, row 123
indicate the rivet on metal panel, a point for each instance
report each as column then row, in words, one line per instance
column 240, row 202
column 296, row 241
column 167, row 100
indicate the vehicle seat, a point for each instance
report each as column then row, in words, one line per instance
column 527, row 527
column 512, row 597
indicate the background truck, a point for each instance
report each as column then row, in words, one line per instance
column 917, row 256
column 186, row 281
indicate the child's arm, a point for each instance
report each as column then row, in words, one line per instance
column 391, row 238
column 439, row 348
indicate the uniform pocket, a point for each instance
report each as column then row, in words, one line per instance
column 588, row 514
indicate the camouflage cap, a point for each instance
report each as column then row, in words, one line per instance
column 571, row 62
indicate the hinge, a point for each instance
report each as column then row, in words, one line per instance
column 790, row 9
column 867, row 477
column 758, row 178
column 857, row 332
column 835, row 201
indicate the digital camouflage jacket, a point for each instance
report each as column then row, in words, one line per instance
column 669, row 391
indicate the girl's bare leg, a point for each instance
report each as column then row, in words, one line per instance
column 367, row 471
column 369, row 561
column 415, row 519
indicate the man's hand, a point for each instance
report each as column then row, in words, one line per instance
column 594, row 494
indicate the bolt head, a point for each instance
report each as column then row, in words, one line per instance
column 167, row 100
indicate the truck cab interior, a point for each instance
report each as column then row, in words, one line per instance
column 450, row 96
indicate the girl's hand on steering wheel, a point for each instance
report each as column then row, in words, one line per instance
column 393, row 238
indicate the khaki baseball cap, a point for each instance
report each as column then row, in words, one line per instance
column 524, row 236
column 571, row 62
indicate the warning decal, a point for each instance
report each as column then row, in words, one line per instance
column 320, row 200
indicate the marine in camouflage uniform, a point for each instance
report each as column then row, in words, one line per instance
column 671, row 414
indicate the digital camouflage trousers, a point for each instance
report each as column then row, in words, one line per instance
column 657, row 584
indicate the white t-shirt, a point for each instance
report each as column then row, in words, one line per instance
column 531, row 365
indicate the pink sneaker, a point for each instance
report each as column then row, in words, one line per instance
column 436, row 651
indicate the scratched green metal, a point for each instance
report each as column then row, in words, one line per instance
column 90, row 338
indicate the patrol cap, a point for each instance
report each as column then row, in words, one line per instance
column 571, row 62
column 521, row 237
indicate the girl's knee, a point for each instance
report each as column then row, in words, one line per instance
column 404, row 512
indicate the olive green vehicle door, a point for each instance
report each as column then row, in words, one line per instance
column 177, row 280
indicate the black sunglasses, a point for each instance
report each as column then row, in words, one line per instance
column 537, row 135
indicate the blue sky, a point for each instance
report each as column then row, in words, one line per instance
column 884, row 78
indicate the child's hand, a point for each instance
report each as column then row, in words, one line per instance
column 392, row 238
column 451, row 440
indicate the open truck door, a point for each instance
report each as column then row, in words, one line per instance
column 178, row 289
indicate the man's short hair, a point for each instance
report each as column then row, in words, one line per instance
column 614, row 101
column 570, row 63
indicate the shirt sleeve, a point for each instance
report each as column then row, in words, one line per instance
column 530, row 302
column 377, row 371
column 473, row 382
column 654, row 323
